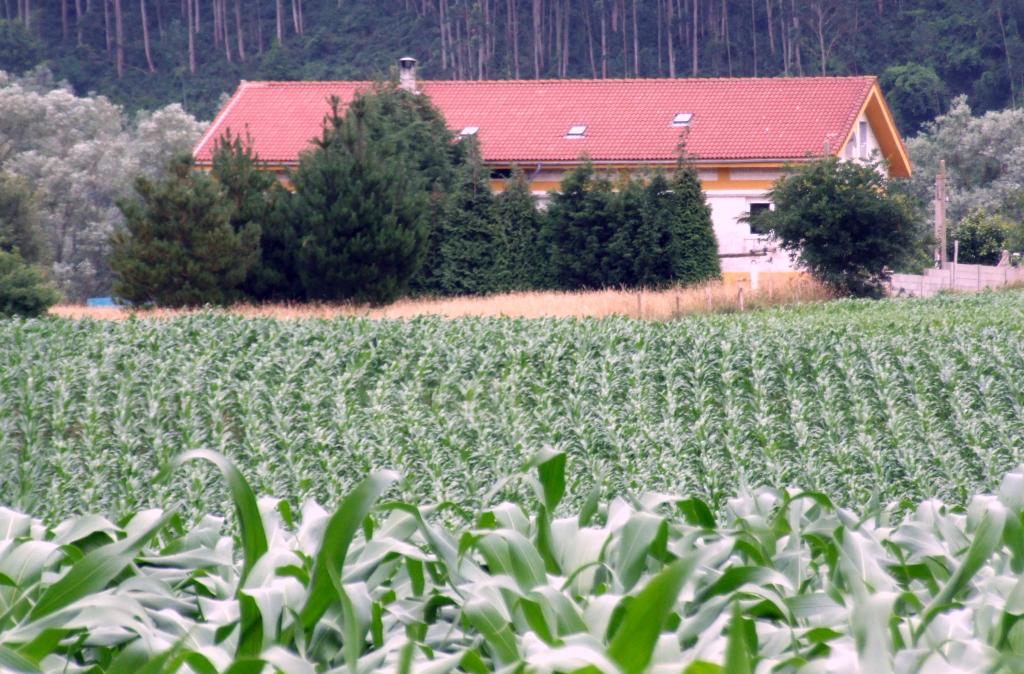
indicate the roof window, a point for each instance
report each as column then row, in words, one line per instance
column 682, row 119
column 577, row 131
column 469, row 131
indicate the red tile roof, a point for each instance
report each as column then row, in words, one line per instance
column 626, row 120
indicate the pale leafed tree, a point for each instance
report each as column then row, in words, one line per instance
column 82, row 154
column 984, row 161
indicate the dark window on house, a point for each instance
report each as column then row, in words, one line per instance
column 755, row 210
column 501, row 174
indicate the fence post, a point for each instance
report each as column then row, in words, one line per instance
column 677, row 305
column 707, row 297
column 739, row 297
column 639, row 305
column 979, row 277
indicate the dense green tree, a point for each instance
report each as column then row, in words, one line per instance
column 915, row 93
column 467, row 243
column 24, row 288
column 20, row 50
column 517, row 225
column 21, row 227
column 627, row 253
column 843, row 223
column 982, row 238
column 577, row 230
column 179, row 247
column 692, row 248
column 360, row 208
column 256, row 196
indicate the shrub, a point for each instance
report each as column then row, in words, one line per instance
column 982, row 238
column 842, row 222
column 24, row 290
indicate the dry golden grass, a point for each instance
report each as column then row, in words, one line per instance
column 646, row 304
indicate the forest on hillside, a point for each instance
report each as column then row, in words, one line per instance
column 148, row 53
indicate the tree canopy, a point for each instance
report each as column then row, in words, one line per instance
column 843, row 224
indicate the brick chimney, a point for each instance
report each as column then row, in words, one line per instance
column 407, row 74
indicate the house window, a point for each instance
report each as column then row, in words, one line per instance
column 501, row 174
column 682, row 119
column 863, row 140
column 756, row 208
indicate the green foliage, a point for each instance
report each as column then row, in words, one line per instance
column 578, row 228
column 915, row 93
column 24, row 289
column 782, row 577
column 983, row 237
column 692, row 248
column 517, row 227
column 179, row 247
column 21, row 228
column 467, row 244
column 360, row 204
column 19, row 49
column 886, row 400
column 843, row 224
column 646, row 233
column 256, row 197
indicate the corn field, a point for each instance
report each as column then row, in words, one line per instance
column 783, row 582
column 869, row 402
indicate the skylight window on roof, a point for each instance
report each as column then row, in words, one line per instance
column 469, row 131
column 577, row 131
column 682, row 119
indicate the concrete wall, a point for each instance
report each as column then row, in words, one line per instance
column 960, row 277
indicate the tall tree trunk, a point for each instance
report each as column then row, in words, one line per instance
column 279, row 7
column 725, row 34
column 191, row 37
column 78, row 22
column 64, row 19
column 753, row 32
column 145, row 37
column 604, row 45
column 239, row 32
column 590, row 40
column 444, row 46
column 636, row 43
column 107, row 30
column 695, row 69
column 669, row 11
column 771, row 28
column 513, row 19
column 538, row 44
column 1006, row 52
column 119, row 30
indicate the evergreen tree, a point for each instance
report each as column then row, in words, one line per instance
column 255, row 196
column 691, row 247
column 625, row 250
column 468, row 249
column 359, row 206
column 517, row 223
column 21, row 226
column 179, row 247
column 577, row 230
column 24, row 289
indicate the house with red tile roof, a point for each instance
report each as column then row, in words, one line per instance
column 740, row 133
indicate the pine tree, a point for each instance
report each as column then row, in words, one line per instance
column 359, row 206
column 468, row 249
column 693, row 249
column 653, row 262
column 255, row 196
column 577, row 230
column 178, row 247
column 517, row 226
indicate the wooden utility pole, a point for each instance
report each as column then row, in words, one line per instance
column 940, row 214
